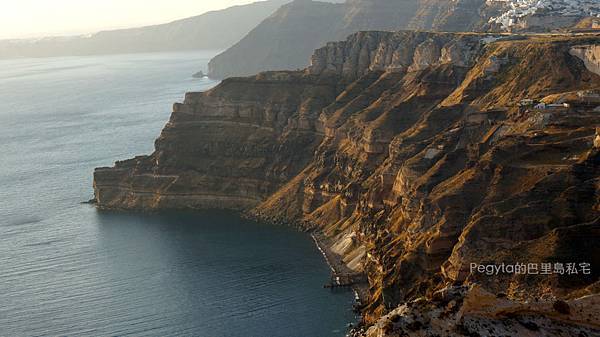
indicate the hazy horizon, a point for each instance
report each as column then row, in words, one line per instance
column 41, row 18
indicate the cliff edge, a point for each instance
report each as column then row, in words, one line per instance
column 420, row 155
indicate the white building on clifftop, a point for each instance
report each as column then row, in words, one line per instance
column 519, row 10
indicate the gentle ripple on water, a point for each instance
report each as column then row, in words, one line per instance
column 68, row 270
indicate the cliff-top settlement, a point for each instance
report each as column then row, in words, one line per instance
column 545, row 12
column 419, row 155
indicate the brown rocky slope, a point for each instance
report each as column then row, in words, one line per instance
column 411, row 152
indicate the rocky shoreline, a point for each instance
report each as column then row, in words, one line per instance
column 323, row 244
column 412, row 154
column 337, row 266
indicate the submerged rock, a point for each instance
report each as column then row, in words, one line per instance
column 199, row 74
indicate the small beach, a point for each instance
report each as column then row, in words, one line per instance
column 337, row 266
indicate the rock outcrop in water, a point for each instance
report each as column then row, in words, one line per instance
column 419, row 154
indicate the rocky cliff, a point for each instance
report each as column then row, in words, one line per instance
column 472, row 311
column 283, row 41
column 590, row 55
column 418, row 154
column 287, row 38
column 229, row 147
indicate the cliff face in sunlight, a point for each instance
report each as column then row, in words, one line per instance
column 409, row 150
column 226, row 148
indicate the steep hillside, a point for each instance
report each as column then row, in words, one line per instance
column 418, row 155
column 294, row 39
column 282, row 41
column 228, row 147
column 212, row 30
column 287, row 38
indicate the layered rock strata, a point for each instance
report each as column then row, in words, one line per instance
column 230, row 147
column 418, row 154
column 286, row 39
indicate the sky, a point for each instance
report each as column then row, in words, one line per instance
column 37, row 18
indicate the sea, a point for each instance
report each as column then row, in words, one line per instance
column 67, row 269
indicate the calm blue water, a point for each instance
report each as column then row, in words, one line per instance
column 68, row 270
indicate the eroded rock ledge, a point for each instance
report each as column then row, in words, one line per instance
column 230, row 147
column 416, row 153
column 590, row 55
column 472, row 311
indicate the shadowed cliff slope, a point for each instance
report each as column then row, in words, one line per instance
column 281, row 42
column 287, row 38
column 412, row 151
